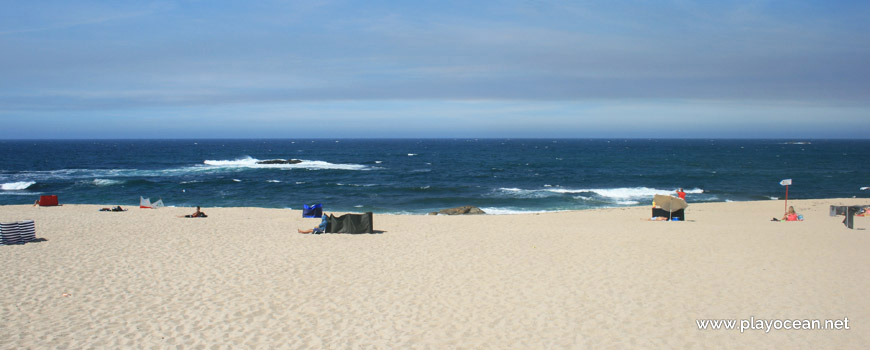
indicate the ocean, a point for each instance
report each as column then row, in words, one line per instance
column 417, row 176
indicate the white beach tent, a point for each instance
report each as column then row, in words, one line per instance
column 146, row 203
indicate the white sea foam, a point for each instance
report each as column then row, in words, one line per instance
column 616, row 193
column 622, row 195
column 412, row 154
column 521, row 193
column 626, row 192
column 508, row 211
column 16, row 186
column 241, row 162
column 273, row 181
column 237, row 180
column 401, row 212
column 13, row 193
column 250, row 162
column 88, row 175
column 106, row 182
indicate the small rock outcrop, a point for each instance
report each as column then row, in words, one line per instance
column 464, row 210
column 279, row 161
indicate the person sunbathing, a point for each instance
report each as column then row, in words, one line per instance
column 118, row 208
column 197, row 214
column 791, row 215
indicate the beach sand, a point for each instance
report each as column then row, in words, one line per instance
column 598, row 279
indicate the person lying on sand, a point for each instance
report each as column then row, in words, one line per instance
column 197, row 214
column 118, row 208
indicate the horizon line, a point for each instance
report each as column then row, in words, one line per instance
column 796, row 139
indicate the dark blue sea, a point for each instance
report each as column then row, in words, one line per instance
column 418, row 176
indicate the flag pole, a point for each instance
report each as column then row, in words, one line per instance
column 786, row 199
column 785, row 183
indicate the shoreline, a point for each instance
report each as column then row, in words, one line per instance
column 600, row 278
column 518, row 212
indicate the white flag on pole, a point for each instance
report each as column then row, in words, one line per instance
column 785, row 182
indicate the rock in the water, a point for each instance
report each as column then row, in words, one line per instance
column 464, row 210
column 279, row 161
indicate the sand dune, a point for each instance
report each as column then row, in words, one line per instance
column 600, row 279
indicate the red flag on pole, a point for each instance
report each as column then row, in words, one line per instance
column 785, row 183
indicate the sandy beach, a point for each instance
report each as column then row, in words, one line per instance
column 596, row 279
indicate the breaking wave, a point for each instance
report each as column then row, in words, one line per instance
column 16, row 186
column 250, row 162
column 509, row 211
column 621, row 196
column 106, row 182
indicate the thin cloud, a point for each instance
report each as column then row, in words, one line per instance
column 59, row 18
column 214, row 55
column 84, row 22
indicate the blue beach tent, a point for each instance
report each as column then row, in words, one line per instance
column 312, row 211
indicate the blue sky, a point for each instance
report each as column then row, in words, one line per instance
column 336, row 69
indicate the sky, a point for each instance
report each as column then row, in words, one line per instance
column 419, row 69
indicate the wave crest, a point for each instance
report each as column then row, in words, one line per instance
column 16, row 186
column 250, row 162
column 106, row 182
column 512, row 211
column 622, row 195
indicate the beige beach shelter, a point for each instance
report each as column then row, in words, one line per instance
column 670, row 203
